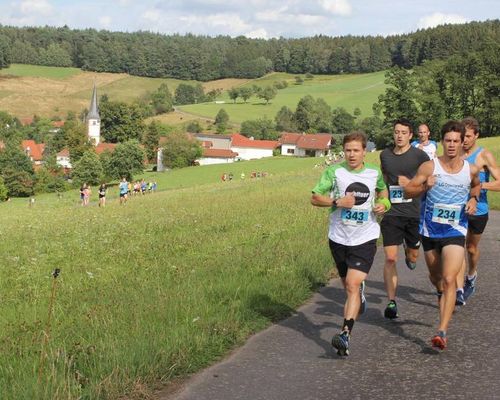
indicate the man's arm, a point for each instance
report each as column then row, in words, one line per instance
column 491, row 164
column 421, row 182
column 475, row 189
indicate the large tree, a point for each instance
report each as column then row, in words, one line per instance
column 88, row 169
column 180, row 150
column 120, row 122
column 126, row 160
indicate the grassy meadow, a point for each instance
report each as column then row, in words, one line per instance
column 26, row 90
column 160, row 287
column 348, row 91
column 157, row 288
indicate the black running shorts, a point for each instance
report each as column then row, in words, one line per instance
column 477, row 223
column 396, row 229
column 356, row 257
column 437, row 244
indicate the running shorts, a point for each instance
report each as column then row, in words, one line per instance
column 438, row 243
column 358, row 257
column 396, row 229
column 477, row 223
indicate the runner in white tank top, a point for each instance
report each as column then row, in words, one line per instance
column 446, row 181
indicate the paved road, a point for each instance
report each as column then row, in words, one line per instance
column 389, row 359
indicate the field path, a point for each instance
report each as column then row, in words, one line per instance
column 389, row 359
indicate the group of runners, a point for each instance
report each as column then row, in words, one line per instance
column 437, row 202
column 127, row 188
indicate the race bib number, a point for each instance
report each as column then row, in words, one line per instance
column 446, row 214
column 396, row 195
column 353, row 216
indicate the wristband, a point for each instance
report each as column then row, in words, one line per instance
column 385, row 202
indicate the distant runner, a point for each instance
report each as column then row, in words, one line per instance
column 123, row 187
column 446, row 182
column 424, row 143
column 400, row 224
column 350, row 188
column 487, row 165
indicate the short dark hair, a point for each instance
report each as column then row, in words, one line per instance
column 355, row 136
column 453, row 126
column 471, row 123
column 405, row 122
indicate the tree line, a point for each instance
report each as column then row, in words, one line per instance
column 466, row 84
column 203, row 58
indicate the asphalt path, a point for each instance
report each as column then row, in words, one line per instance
column 389, row 359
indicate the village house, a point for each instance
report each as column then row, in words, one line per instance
column 225, row 149
column 305, row 145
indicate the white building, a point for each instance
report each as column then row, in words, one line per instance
column 305, row 145
column 250, row 149
column 94, row 120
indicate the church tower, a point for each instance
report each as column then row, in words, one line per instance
column 94, row 120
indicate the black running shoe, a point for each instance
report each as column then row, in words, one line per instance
column 340, row 343
column 391, row 311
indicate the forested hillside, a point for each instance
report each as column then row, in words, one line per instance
column 205, row 58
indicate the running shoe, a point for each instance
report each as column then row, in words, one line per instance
column 340, row 343
column 362, row 307
column 440, row 341
column 469, row 287
column 391, row 311
column 460, row 301
column 410, row 264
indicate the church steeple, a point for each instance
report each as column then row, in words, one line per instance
column 94, row 120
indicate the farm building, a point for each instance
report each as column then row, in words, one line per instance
column 305, row 145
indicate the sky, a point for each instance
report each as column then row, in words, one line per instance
column 252, row 18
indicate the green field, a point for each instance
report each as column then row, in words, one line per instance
column 160, row 287
column 40, row 71
column 347, row 91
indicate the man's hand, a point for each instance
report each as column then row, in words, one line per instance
column 471, row 206
column 431, row 181
column 403, row 180
column 379, row 209
column 348, row 201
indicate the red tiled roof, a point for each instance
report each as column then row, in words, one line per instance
column 318, row 141
column 290, row 138
column 238, row 140
column 35, row 150
column 57, row 124
column 102, row 147
column 64, row 153
column 219, row 153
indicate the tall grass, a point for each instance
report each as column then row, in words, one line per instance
column 157, row 288
column 160, row 287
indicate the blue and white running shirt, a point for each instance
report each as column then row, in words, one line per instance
column 442, row 212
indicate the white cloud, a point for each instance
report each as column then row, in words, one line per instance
column 337, row 7
column 259, row 33
column 41, row 7
column 105, row 21
column 217, row 23
column 151, row 15
column 436, row 19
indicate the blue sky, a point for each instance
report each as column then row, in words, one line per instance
column 252, row 18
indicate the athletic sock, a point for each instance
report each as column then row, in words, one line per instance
column 471, row 277
column 348, row 323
